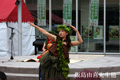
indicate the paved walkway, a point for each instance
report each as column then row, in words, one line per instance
column 17, row 70
column 96, row 61
column 76, row 61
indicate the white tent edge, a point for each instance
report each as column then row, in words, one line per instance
column 28, row 37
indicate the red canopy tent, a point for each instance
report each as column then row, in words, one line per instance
column 9, row 12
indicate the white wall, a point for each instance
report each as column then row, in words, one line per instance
column 28, row 37
column 3, row 40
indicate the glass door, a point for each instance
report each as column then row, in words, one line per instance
column 112, row 26
column 91, row 25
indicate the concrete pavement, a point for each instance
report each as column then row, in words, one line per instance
column 78, row 62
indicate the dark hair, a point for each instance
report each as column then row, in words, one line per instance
column 68, row 41
column 3, row 76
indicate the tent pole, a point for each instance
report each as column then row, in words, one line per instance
column 50, row 16
column 20, row 28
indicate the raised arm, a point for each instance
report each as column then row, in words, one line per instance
column 43, row 48
column 43, row 31
column 75, row 43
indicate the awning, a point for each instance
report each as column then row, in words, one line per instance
column 9, row 12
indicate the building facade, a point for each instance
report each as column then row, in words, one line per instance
column 96, row 20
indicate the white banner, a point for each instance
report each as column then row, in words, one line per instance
column 67, row 14
column 94, row 12
column 41, row 6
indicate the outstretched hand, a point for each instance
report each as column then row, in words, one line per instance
column 31, row 24
column 72, row 27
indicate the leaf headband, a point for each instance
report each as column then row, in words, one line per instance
column 64, row 27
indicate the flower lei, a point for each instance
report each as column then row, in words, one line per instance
column 63, row 63
column 49, row 41
column 64, row 27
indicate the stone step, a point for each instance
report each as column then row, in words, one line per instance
column 17, row 76
column 19, row 70
column 72, row 70
column 99, row 69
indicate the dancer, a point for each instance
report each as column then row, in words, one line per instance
column 55, row 62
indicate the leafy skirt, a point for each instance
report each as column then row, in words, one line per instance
column 49, row 67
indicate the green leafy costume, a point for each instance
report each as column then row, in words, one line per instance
column 55, row 62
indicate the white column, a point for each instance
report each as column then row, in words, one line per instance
column 104, row 27
column 20, row 28
column 76, row 22
column 50, row 16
